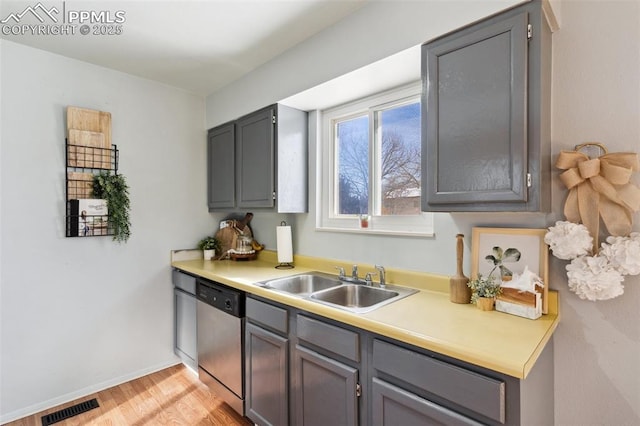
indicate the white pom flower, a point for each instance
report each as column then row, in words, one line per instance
column 623, row 253
column 593, row 278
column 569, row 240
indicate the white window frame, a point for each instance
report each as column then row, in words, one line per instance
column 326, row 193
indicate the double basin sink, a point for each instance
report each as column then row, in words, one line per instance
column 330, row 290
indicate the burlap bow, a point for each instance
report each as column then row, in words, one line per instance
column 600, row 187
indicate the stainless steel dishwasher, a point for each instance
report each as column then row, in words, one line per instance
column 220, row 316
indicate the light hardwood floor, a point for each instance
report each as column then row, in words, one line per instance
column 173, row 396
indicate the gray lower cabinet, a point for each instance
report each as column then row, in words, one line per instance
column 306, row 370
column 266, row 363
column 327, row 362
column 326, row 392
column 267, row 372
column 394, row 406
column 475, row 392
column 486, row 115
column 411, row 386
column 260, row 161
column 185, row 303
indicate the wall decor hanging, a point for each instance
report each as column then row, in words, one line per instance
column 600, row 190
column 518, row 259
column 97, row 196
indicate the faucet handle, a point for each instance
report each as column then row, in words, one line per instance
column 354, row 272
column 340, row 271
column 368, row 278
column 381, row 272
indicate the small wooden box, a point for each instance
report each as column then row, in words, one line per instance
column 521, row 303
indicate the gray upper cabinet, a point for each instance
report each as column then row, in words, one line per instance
column 486, row 126
column 221, row 167
column 255, row 174
column 268, row 165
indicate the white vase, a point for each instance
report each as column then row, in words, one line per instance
column 208, row 254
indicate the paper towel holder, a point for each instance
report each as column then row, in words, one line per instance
column 284, row 264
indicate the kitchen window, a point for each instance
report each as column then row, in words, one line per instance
column 369, row 164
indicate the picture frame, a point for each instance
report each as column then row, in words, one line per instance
column 533, row 253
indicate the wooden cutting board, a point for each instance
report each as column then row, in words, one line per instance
column 89, row 136
column 90, row 120
column 88, row 149
column 79, row 185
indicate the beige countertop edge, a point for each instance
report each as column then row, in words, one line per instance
column 511, row 344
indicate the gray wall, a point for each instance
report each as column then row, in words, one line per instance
column 78, row 315
column 596, row 96
column 596, row 87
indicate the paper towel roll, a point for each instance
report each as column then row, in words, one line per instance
column 283, row 244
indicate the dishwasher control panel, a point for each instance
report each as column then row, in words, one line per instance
column 224, row 298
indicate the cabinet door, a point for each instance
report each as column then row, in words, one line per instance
column 475, row 119
column 221, row 167
column 394, row 406
column 255, row 175
column 267, row 369
column 326, row 392
column 185, row 328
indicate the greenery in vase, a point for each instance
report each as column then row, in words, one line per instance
column 209, row 243
column 484, row 287
column 115, row 190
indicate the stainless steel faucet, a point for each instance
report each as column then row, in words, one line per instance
column 354, row 279
column 354, row 272
column 381, row 274
column 368, row 279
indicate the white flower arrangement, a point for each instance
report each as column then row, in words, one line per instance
column 623, row 253
column 597, row 277
column 593, row 278
column 569, row 240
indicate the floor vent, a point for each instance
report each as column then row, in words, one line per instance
column 68, row 412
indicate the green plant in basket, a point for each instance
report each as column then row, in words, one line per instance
column 115, row 190
column 484, row 287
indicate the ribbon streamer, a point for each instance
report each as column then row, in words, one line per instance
column 600, row 188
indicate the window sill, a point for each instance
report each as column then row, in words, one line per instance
column 373, row 231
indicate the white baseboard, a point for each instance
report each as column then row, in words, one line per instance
column 45, row 405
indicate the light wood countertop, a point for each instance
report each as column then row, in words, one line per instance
column 495, row 340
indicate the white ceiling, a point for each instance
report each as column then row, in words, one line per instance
column 200, row 46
